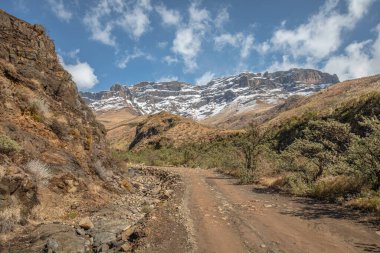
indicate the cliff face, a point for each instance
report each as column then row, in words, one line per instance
column 47, row 133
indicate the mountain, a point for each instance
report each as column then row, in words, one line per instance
column 233, row 93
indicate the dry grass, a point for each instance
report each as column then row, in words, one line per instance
column 39, row 170
column 370, row 203
column 2, row 172
column 335, row 186
column 272, row 182
column 9, row 218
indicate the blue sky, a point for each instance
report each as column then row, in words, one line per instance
column 102, row 42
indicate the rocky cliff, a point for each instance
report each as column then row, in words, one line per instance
column 237, row 93
column 51, row 146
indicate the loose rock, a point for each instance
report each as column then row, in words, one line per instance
column 86, row 223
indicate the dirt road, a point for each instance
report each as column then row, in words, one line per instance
column 225, row 217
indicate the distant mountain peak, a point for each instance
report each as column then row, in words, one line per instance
column 240, row 91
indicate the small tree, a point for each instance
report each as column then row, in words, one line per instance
column 320, row 145
column 365, row 152
column 249, row 145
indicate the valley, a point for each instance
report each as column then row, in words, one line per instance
column 272, row 161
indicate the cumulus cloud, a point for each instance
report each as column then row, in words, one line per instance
column 238, row 40
column 205, row 78
column 359, row 59
column 169, row 17
column 322, row 34
column 83, row 74
column 187, row 43
column 136, row 22
column 188, row 39
column 137, row 53
column 228, row 39
column 167, row 79
column 60, row 10
column 100, row 31
column 131, row 16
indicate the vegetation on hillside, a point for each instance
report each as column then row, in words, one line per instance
column 335, row 156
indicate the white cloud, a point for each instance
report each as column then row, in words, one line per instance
column 228, row 39
column 286, row 63
column 247, row 46
column 60, row 10
column 137, row 53
column 187, row 43
column 170, row 59
column 188, row 39
column 100, row 31
column 136, row 22
column 322, row 34
column 205, row 78
column 199, row 17
column 83, row 74
column 131, row 16
column 244, row 42
column 167, row 79
column 222, row 18
column 360, row 59
column 74, row 53
column 169, row 17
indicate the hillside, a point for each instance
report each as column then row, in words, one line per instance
column 169, row 130
column 226, row 95
column 323, row 102
column 60, row 189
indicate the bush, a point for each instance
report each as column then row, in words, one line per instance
column 333, row 187
column 364, row 153
column 8, row 146
column 370, row 203
column 38, row 108
column 296, row 184
column 40, row 171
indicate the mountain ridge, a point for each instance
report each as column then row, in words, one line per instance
column 238, row 92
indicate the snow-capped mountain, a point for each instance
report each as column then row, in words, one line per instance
column 239, row 92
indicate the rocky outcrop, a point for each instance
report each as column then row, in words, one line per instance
column 50, row 141
column 233, row 92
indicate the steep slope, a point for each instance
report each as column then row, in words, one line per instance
column 233, row 94
column 51, row 146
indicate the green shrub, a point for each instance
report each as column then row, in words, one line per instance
column 364, row 153
column 8, row 146
column 296, row 184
